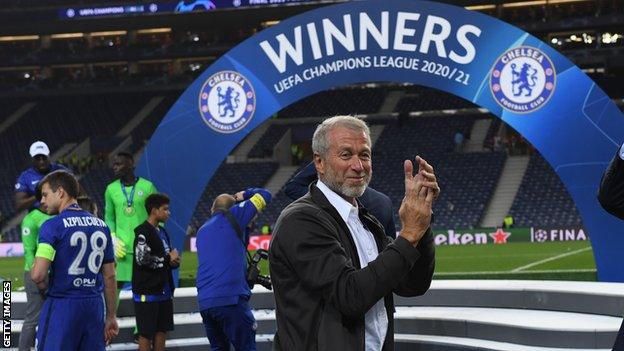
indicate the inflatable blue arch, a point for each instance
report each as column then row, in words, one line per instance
column 514, row 75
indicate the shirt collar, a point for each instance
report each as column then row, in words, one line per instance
column 341, row 205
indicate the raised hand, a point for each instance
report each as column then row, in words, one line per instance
column 426, row 174
column 415, row 210
column 239, row 196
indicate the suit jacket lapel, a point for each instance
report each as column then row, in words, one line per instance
column 319, row 198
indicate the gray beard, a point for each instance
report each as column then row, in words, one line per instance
column 342, row 189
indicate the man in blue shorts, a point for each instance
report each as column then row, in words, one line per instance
column 75, row 248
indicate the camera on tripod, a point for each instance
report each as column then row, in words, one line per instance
column 253, row 272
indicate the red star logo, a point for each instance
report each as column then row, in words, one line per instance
column 500, row 236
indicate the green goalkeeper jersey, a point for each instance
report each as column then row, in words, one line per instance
column 30, row 235
column 125, row 210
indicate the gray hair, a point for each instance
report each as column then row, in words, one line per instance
column 320, row 143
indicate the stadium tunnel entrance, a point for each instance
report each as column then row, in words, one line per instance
column 517, row 77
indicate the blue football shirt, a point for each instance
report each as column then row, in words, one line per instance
column 78, row 244
column 28, row 180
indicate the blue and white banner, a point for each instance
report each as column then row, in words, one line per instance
column 519, row 78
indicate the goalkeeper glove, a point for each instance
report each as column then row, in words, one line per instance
column 120, row 247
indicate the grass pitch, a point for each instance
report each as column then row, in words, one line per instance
column 572, row 260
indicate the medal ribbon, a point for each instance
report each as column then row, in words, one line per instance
column 129, row 200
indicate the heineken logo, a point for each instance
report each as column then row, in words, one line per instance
column 500, row 236
column 482, row 236
column 478, row 237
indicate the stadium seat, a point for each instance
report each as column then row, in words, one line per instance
column 542, row 199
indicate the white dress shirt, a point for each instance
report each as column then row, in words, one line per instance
column 376, row 318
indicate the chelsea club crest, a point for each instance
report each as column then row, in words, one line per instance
column 523, row 79
column 227, row 101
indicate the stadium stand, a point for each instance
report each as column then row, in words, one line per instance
column 81, row 116
column 334, row 102
column 94, row 87
column 7, row 184
column 107, row 112
column 264, row 147
column 489, row 141
column 57, row 121
column 543, row 199
column 231, row 178
column 468, row 180
column 142, row 133
column 7, row 176
column 275, row 207
column 419, row 98
column 95, row 183
column 9, row 106
column 561, row 11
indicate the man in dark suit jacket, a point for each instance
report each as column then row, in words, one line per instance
column 611, row 197
column 377, row 203
column 333, row 269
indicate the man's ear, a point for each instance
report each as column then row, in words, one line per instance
column 62, row 192
column 319, row 164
